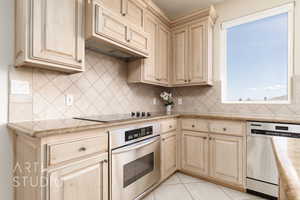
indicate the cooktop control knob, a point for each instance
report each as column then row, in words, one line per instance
column 132, row 114
column 148, row 114
column 138, row 114
column 143, row 114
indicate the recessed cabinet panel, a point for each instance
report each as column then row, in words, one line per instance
column 195, row 152
column 197, row 55
column 138, row 39
column 115, row 5
column 163, row 55
column 169, row 154
column 229, row 149
column 80, row 181
column 50, row 34
column 135, row 13
column 109, row 25
column 180, row 47
column 151, row 27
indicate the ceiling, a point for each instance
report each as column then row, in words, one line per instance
column 177, row 8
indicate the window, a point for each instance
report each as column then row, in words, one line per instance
column 258, row 57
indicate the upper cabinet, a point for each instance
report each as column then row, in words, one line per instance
column 115, row 27
column 50, row 34
column 180, row 51
column 155, row 68
column 192, row 50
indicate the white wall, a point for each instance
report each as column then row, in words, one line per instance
column 6, row 59
column 232, row 9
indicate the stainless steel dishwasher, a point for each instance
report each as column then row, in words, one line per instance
column 262, row 174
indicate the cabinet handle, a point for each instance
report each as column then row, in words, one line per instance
column 82, row 149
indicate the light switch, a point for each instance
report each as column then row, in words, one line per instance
column 69, row 99
column 180, row 101
column 19, row 87
column 154, row 101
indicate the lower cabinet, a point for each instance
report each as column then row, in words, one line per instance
column 195, row 152
column 168, row 154
column 226, row 158
column 87, row 180
column 219, row 157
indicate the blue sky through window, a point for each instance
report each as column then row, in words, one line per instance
column 257, row 60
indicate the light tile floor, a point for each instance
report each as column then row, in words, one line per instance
column 183, row 187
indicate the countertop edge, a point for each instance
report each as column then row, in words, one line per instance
column 287, row 174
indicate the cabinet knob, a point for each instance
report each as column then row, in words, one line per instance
column 210, row 138
column 80, row 61
column 193, row 126
column 170, row 126
column 82, row 149
column 205, row 138
column 224, row 129
column 189, row 80
column 105, row 161
column 185, row 81
column 163, row 139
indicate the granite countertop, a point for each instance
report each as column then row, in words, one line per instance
column 287, row 153
column 46, row 128
column 61, row 126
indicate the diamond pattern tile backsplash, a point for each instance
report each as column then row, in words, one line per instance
column 207, row 100
column 101, row 89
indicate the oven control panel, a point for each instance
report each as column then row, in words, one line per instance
column 138, row 133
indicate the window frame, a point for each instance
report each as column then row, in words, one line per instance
column 287, row 8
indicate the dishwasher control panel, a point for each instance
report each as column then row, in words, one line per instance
column 274, row 129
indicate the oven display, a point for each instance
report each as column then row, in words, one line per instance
column 138, row 133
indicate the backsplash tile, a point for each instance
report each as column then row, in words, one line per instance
column 101, row 89
column 207, row 100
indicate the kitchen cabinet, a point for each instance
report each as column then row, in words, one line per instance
column 180, row 56
column 155, row 68
column 168, row 154
column 132, row 10
column 192, row 54
column 50, row 34
column 210, row 152
column 226, row 157
column 111, row 33
column 195, row 152
column 86, row 180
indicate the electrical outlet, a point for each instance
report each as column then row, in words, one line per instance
column 19, row 87
column 154, row 101
column 69, row 99
column 180, row 101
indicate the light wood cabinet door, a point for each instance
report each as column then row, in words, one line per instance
column 163, row 55
column 117, row 6
column 168, row 154
column 226, row 156
column 110, row 25
column 180, row 56
column 195, row 152
column 88, row 180
column 138, row 39
column 151, row 27
column 134, row 12
column 197, row 52
column 57, row 35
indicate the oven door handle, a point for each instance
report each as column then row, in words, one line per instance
column 136, row 146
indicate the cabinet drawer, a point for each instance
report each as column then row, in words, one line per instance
column 168, row 125
column 66, row 151
column 194, row 124
column 227, row 127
